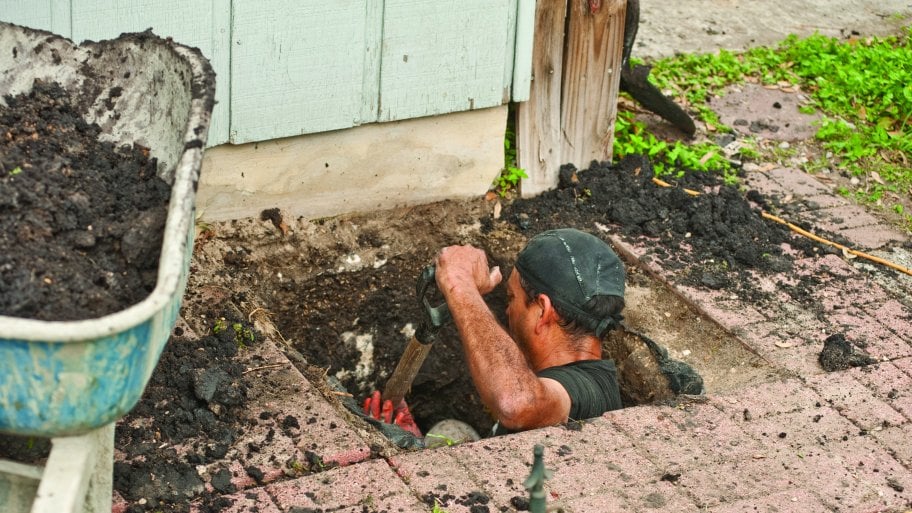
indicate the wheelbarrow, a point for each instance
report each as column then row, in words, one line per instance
column 69, row 378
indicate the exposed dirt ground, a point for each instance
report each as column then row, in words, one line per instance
column 341, row 293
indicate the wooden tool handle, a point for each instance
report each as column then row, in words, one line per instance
column 401, row 380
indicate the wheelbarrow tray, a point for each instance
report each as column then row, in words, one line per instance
column 68, row 377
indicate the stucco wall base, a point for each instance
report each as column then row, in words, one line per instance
column 361, row 169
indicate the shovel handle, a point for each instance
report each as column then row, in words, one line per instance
column 406, row 370
column 433, row 317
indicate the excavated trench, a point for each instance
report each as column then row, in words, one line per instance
column 360, row 341
column 342, row 291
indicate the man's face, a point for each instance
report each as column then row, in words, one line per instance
column 520, row 318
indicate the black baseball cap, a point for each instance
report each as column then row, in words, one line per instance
column 570, row 267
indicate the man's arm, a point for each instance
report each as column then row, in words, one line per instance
column 504, row 380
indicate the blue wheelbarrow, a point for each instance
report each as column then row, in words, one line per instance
column 68, row 378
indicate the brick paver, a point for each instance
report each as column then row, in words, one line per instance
column 839, row 218
column 437, row 477
column 895, row 316
column 791, row 432
column 371, row 485
column 796, row 182
column 890, row 384
column 776, row 398
column 855, row 401
column 868, row 238
column 896, row 439
column 794, row 499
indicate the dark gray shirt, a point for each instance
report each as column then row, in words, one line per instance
column 591, row 384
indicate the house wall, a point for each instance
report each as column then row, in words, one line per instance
column 368, row 87
column 292, row 67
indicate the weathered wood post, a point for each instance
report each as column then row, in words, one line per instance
column 570, row 115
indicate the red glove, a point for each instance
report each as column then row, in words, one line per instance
column 384, row 411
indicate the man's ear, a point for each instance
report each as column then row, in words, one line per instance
column 547, row 313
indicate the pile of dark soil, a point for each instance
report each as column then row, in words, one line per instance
column 711, row 239
column 187, row 417
column 81, row 220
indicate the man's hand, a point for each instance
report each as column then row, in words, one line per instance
column 384, row 411
column 460, row 267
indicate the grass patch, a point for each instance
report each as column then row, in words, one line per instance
column 863, row 88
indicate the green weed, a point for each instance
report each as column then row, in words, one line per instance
column 668, row 159
column 447, row 440
column 510, row 175
column 242, row 334
column 862, row 87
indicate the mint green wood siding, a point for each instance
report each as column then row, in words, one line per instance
column 441, row 57
column 296, row 67
column 291, row 67
column 50, row 15
column 204, row 24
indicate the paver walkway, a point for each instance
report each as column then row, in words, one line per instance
column 812, row 441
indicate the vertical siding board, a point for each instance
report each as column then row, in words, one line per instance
column 296, row 67
column 373, row 46
column 592, row 64
column 442, row 56
column 510, row 47
column 521, row 72
column 36, row 14
column 62, row 17
column 190, row 22
column 538, row 134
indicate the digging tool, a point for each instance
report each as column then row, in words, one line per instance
column 635, row 79
column 420, row 344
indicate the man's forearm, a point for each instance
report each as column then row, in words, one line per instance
column 499, row 369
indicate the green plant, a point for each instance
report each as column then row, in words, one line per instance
column 668, row 159
column 15, row 171
column 862, row 88
column 438, row 508
column 510, row 175
column 242, row 334
column 297, row 466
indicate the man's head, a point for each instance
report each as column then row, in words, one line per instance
column 580, row 274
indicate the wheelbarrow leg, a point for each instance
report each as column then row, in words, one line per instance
column 79, row 474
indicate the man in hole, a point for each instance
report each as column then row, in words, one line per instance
column 566, row 292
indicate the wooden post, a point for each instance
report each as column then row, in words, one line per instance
column 571, row 113
column 538, row 144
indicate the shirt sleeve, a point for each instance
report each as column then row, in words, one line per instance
column 592, row 386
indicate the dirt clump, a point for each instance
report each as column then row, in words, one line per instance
column 841, row 354
column 81, row 220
